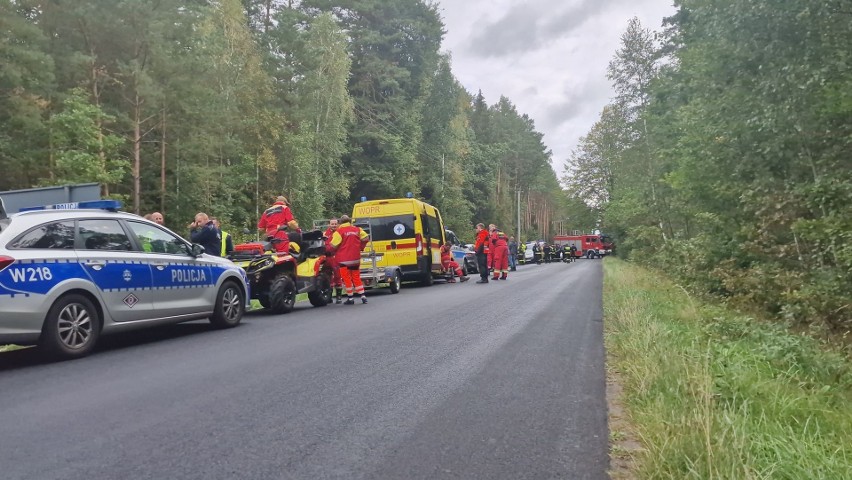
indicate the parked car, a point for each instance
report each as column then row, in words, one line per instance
column 67, row 276
column 462, row 253
column 528, row 252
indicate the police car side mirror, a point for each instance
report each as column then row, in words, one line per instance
column 196, row 250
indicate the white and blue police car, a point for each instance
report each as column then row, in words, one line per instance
column 71, row 272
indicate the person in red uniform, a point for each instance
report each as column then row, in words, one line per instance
column 448, row 263
column 348, row 242
column 500, row 254
column 273, row 218
column 480, row 245
column 336, row 281
column 489, row 248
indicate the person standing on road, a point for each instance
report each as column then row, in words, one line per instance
column 500, row 255
column 203, row 232
column 336, row 281
column 479, row 246
column 536, row 253
column 348, row 241
column 451, row 265
column 513, row 254
column 274, row 221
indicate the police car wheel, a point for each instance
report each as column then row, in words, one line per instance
column 229, row 308
column 396, row 283
column 71, row 328
column 282, row 294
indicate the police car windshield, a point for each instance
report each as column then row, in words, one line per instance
column 4, row 223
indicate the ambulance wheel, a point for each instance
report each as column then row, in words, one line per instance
column 282, row 294
column 322, row 295
column 71, row 328
column 230, row 305
column 396, row 283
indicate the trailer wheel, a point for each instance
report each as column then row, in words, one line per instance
column 396, row 282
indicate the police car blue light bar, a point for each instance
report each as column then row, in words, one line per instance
column 111, row 205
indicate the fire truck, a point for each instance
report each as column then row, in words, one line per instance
column 589, row 245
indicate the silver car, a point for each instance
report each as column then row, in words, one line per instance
column 67, row 276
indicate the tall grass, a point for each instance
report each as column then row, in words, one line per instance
column 713, row 394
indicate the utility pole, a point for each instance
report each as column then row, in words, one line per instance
column 442, row 176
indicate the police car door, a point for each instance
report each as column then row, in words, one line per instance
column 183, row 284
column 119, row 270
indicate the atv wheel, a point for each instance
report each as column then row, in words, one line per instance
column 322, row 295
column 282, row 294
column 264, row 300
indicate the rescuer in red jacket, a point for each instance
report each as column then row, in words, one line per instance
column 448, row 263
column 336, row 281
column 273, row 218
column 480, row 245
column 500, row 252
column 348, row 242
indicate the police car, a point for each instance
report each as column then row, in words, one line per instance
column 70, row 272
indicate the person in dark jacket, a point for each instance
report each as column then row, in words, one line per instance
column 203, row 232
column 513, row 254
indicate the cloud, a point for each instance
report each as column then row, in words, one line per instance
column 549, row 57
column 528, row 27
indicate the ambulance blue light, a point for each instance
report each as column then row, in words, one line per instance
column 363, row 199
column 409, row 195
column 111, row 205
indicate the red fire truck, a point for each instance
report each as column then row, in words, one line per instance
column 589, row 245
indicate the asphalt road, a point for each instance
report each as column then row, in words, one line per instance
column 467, row 381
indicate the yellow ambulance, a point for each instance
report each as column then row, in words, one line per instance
column 406, row 235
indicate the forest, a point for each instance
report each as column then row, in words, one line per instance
column 724, row 159
column 218, row 106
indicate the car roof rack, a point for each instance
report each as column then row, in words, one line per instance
column 110, row 205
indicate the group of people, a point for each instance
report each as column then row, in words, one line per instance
column 492, row 253
column 344, row 244
column 205, row 231
column 543, row 252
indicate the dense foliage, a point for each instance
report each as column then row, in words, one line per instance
column 182, row 106
column 725, row 157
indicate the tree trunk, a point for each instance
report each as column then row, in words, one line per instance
column 137, row 154
column 163, row 163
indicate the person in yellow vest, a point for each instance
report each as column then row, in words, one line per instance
column 227, row 241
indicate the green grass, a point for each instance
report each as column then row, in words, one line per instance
column 714, row 394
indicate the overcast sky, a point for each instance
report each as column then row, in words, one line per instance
column 549, row 57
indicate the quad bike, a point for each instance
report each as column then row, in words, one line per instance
column 277, row 277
